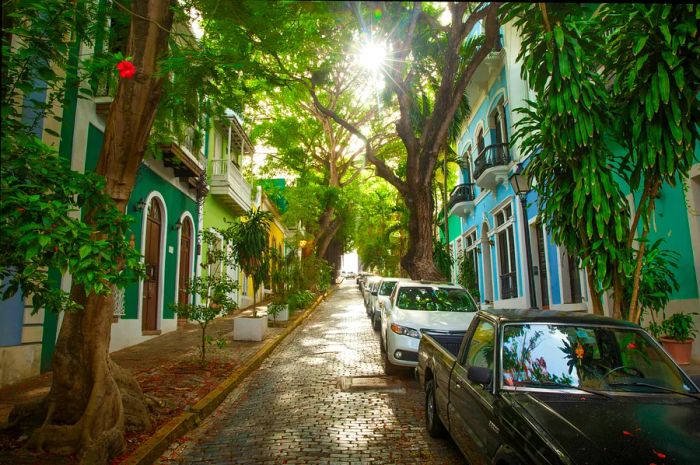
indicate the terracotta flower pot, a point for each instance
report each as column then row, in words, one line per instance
column 679, row 350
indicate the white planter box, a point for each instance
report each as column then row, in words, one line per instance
column 247, row 328
column 283, row 315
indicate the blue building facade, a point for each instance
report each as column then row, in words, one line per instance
column 491, row 217
column 488, row 221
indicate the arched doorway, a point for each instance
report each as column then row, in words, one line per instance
column 152, row 257
column 486, row 258
column 185, row 260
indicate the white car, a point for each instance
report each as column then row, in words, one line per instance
column 367, row 289
column 417, row 307
column 383, row 299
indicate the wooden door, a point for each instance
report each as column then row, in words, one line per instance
column 185, row 264
column 542, row 266
column 152, row 261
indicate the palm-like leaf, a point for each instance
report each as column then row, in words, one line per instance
column 249, row 240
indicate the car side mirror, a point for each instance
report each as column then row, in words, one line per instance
column 479, row 375
column 375, row 292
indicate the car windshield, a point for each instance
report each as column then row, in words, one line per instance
column 387, row 287
column 435, row 299
column 594, row 357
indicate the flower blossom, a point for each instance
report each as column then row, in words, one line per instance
column 126, row 69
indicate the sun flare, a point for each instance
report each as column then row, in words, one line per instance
column 371, row 56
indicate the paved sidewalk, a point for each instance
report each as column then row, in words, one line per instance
column 166, row 367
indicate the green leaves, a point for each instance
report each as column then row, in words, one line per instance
column 84, row 251
column 639, row 45
column 663, row 83
column 40, row 196
column 559, row 36
column 666, row 32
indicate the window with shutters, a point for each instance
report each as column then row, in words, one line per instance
column 505, row 250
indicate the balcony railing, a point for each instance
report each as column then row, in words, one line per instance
column 228, row 181
column 509, row 286
column 492, row 155
column 461, row 193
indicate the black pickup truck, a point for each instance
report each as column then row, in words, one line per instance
column 543, row 387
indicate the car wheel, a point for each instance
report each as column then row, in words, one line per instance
column 381, row 344
column 432, row 421
column 376, row 322
column 389, row 368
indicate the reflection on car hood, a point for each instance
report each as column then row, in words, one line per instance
column 624, row 430
column 446, row 321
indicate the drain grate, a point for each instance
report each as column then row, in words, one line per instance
column 370, row 383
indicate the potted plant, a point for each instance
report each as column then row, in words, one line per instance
column 249, row 242
column 278, row 310
column 676, row 334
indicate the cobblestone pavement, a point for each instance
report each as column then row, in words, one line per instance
column 292, row 410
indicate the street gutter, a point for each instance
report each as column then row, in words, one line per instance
column 149, row 451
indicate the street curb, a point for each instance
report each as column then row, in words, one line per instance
column 154, row 447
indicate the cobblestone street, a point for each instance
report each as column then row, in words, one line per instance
column 292, row 410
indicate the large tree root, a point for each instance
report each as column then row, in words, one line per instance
column 136, row 417
column 126, row 410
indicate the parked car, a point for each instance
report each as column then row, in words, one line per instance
column 543, row 387
column 362, row 280
column 373, row 288
column 416, row 308
column 383, row 300
column 366, row 285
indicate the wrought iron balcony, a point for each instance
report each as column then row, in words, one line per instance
column 461, row 200
column 491, row 166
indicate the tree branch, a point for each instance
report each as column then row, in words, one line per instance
column 382, row 169
column 446, row 118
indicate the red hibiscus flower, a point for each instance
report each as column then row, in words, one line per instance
column 126, row 69
column 631, row 345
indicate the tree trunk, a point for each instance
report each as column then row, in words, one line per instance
column 255, row 291
column 325, row 233
column 418, row 261
column 325, row 238
column 92, row 401
column 204, row 345
column 593, row 292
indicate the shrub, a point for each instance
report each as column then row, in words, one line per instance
column 301, row 299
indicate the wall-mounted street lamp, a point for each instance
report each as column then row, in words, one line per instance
column 521, row 184
column 177, row 225
column 140, row 205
